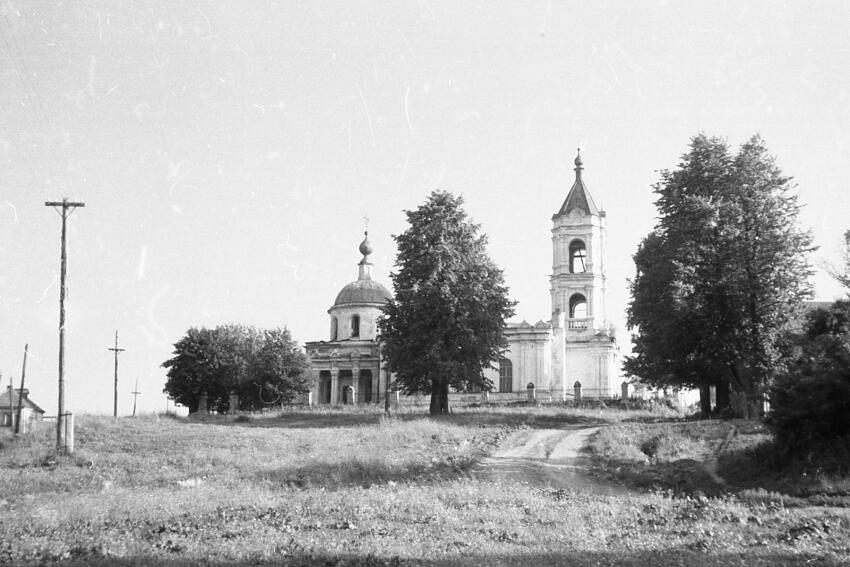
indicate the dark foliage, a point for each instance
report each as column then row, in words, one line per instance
column 721, row 275
column 810, row 400
column 445, row 324
column 263, row 367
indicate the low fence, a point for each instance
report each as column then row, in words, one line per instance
column 469, row 398
column 585, row 396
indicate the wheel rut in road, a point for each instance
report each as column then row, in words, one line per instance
column 546, row 457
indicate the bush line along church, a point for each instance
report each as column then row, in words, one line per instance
column 575, row 354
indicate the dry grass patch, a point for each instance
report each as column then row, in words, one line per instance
column 676, row 456
column 367, row 491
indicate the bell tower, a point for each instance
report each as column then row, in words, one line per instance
column 578, row 266
column 583, row 350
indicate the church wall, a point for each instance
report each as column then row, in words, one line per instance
column 530, row 353
column 594, row 365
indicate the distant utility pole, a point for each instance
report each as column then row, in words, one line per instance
column 64, row 208
column 116, row 350
column 11, row 409
column 136, row 395
column 21, row 391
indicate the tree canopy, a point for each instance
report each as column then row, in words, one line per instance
column 842, row 273
column 263, row 367
column 724, row 270
column 444, row 325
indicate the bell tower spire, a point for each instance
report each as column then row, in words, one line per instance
column 578, row 274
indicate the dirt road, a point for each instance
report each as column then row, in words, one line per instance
column 545, row 457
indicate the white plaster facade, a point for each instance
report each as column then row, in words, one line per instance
column 574, row 354
column 347, row 368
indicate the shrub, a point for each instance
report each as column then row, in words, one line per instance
column 810, row 402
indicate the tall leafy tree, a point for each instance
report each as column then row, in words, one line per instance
column 723, row 272
column 278, row 371
column 263, row 367
column 445, row 324
column 194, row 369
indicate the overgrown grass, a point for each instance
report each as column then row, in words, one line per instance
column 712, row 457
column 673, row 456
column 360, row 489
column 150, row 452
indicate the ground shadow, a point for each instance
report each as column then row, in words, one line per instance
column 682, row 476
column 325, row 418
column 364, row 473
column 712, row 555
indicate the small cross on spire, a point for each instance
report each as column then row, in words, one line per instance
column 366, row 222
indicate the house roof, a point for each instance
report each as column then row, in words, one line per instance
column 578, row 197
column 4, row 400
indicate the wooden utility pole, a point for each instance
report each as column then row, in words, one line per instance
column 11, row 407
column 64, row 208
column 116, row 350
column 20, row 392
column 11, row 412
column 136, row 395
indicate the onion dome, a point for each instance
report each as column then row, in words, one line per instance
column 365, row 289
column 366, row 246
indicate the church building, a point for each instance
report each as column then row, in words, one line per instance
column 348, row 368
column 573, row 355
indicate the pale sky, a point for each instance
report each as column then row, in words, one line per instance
column 228, row 151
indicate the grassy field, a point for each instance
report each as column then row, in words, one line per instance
column 357, row 488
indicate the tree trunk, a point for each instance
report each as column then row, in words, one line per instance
column 435, row 399
column 705, row 399
column 722, row 394
column 439, row 397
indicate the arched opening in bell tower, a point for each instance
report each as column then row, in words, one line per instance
column 578, row 257
column 578, row 312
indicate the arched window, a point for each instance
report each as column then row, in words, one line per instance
column 578, row 257
column 578, row 307
column 334, row 328
column 355, row 326
column 506, row 375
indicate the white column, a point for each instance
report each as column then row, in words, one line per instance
column 334, row 386
column 559, row 355
column 355, row 382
